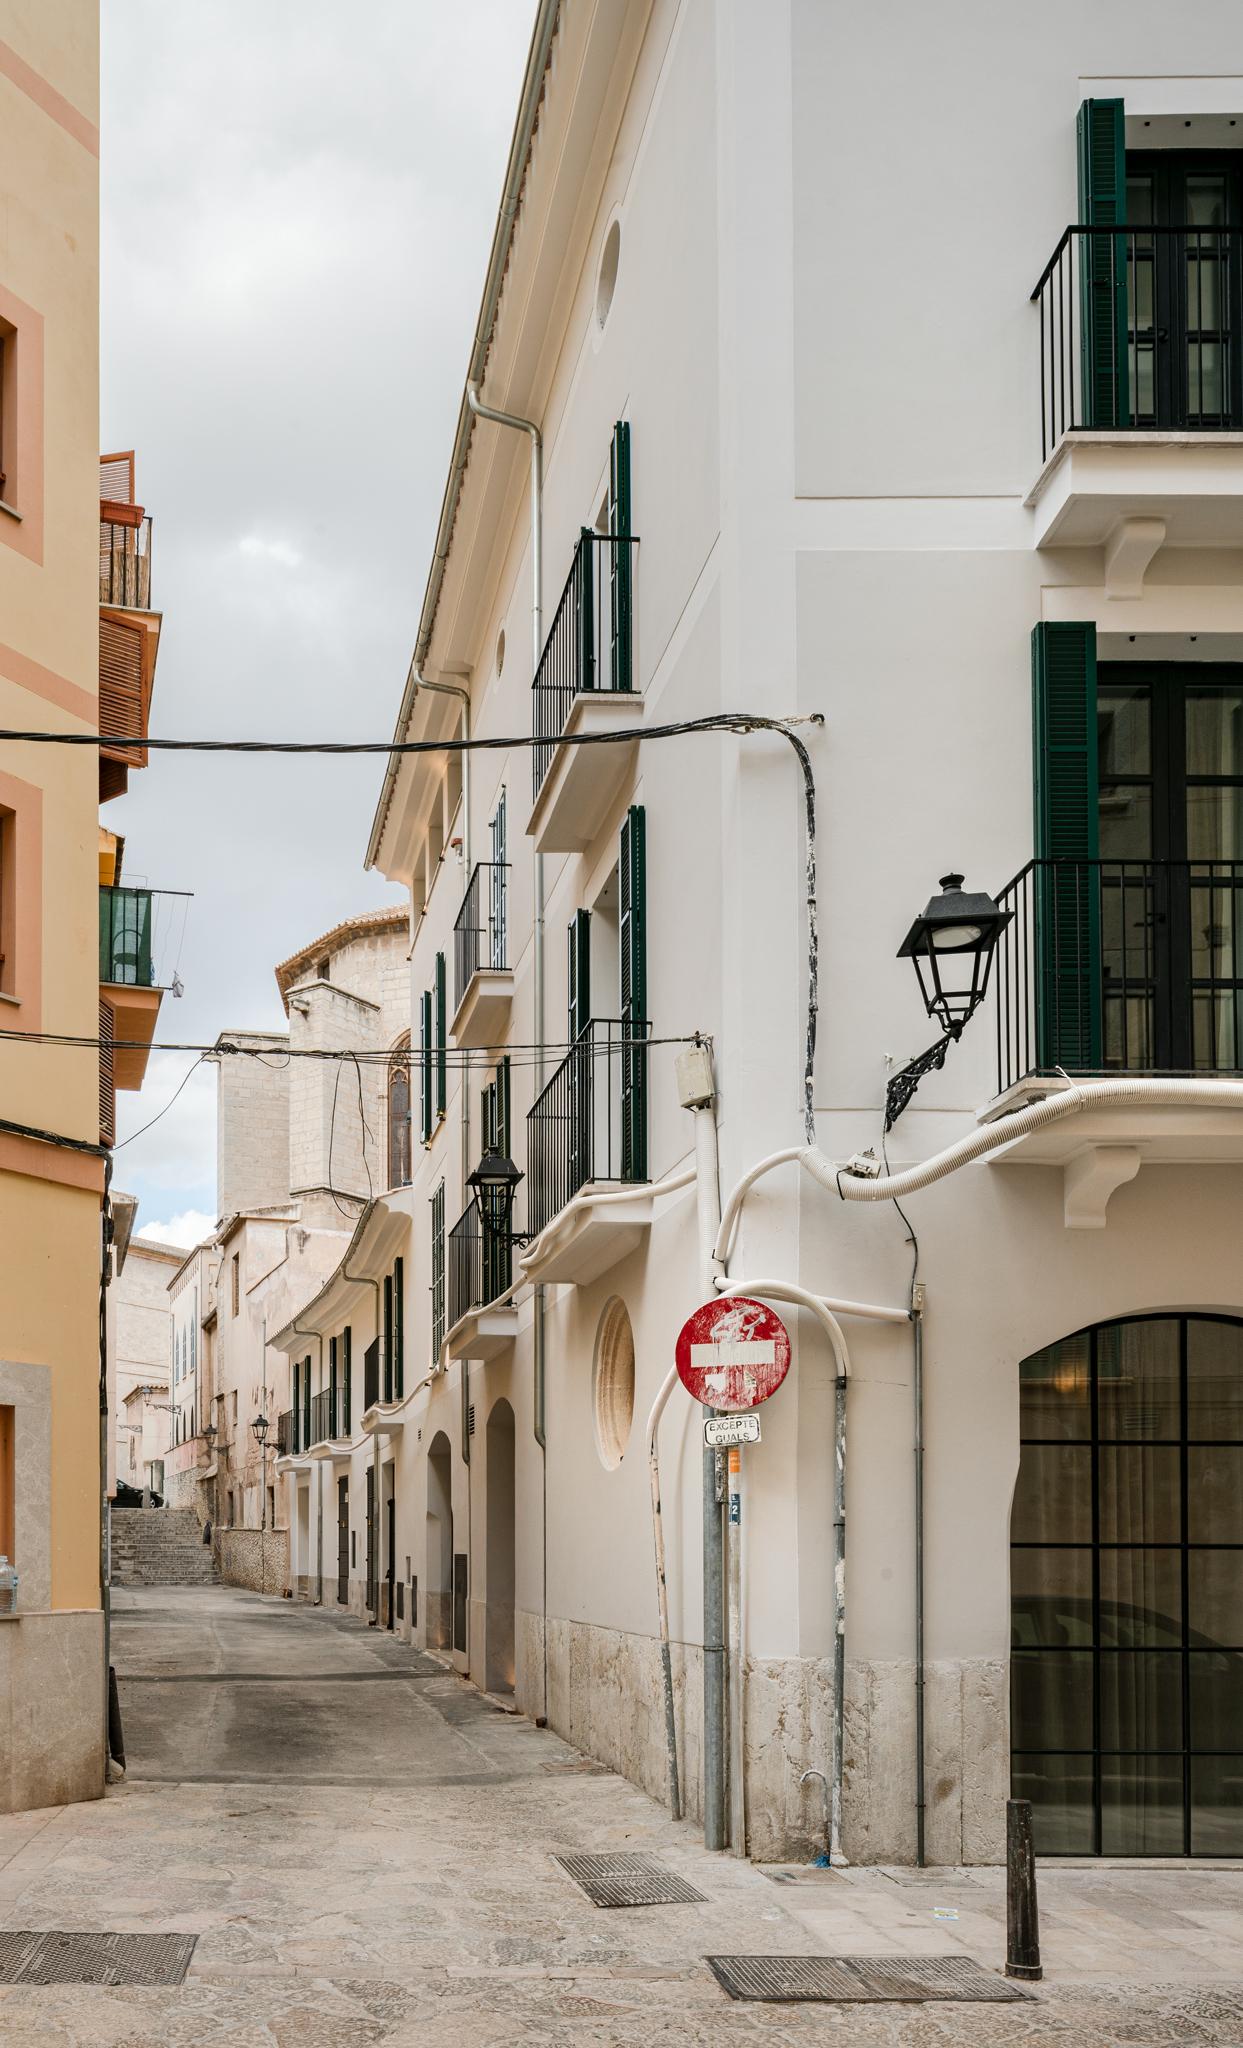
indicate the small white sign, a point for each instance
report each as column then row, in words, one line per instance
column 731, row 1429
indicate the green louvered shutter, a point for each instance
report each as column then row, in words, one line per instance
column 347, row 1370
column 334, row 1419
column 1103, row 266
column 504, row 1143
column 632, row 890
column 585, row 599
column 306, row 1404
column 1067, row 833
column 620, row 643
column 425, row 1066
column 442, row 1063
column 388, row 1336
column 399, row 1329
column 578, row 973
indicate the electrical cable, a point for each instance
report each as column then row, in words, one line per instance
column 159, row 1113
column 371, row 1059
column 722, row 721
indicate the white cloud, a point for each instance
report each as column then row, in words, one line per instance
column 298, row 201
column 185, row 1230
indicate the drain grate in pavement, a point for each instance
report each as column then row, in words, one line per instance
column 854, row 1980
column 155, row 1959
column 629, row 1879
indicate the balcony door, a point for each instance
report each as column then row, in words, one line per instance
column 1170, row 766
column 1184, row 290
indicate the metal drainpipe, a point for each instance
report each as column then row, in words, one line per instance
column 507, row 419
column 917, row 1324
column 365, row 1279
column 714, row 1676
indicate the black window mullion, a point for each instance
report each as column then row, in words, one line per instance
column 1184, row 1578
column 1096, row 1601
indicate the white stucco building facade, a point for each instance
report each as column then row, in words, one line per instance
column 873, row 461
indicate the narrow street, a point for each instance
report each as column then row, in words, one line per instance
column 362, row 1844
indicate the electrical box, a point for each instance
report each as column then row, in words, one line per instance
column 693, row 1068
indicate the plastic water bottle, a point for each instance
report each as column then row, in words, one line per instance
column 8, row 1587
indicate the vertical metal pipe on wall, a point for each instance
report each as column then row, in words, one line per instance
column 709, row 1216
column 917, row 1324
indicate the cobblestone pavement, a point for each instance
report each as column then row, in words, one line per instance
column 363, row 1846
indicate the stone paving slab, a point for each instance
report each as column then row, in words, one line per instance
column 408, row 1908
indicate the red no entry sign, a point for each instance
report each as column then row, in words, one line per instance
column 733, row 1354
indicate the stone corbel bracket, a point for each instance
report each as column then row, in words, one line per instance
column 1089, row 1179
column 1129, row 549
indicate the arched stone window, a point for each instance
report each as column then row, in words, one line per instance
column 399, row 1115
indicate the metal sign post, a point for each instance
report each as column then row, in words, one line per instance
column 732, row 1354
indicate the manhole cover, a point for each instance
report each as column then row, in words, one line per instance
column 629, row 1879
column 155, row 1959
column 831, row 1980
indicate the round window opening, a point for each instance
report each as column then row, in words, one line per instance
column 606, row 282
column 500, row 650
column 613, row 1381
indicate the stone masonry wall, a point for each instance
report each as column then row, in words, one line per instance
column 255, row 1558
column 252, row 1126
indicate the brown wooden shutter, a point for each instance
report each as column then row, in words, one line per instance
column 107, row 1082
column 116, row 477
column 120, row 687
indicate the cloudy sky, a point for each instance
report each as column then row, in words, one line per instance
column 298, row 202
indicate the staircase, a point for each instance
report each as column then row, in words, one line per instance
column 161, row 1547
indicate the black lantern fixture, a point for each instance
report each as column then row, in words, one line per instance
column 259, row 1429
column 209, row 1432
column 952, row 946
column 494, row 1184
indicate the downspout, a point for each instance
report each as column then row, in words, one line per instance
column 365, row 1279
column 708, row 1205
column 547, row 19
column 917, row 1326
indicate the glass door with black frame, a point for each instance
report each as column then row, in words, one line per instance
column 1184, row 290
column 1170, row 752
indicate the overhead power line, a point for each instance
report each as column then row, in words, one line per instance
column 724, row 721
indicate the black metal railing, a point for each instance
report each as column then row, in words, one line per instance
column 373, row 1374
column 591, row 643
column 1140, row 330
column 590, row 1122
column 125, row 563
column 323, row 1418
column 286, row 1433
column 1121, row 966
column 480, row 1265
column 479, row 932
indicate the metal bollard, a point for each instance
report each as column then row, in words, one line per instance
column 1022, row 1917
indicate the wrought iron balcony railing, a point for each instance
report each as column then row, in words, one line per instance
column 1121, row 966
column 125, row 560
column 286, row 1434
column 377, row 1374
column 590, row 645
column 1140, row 329
column 139, row 935
column 480, row 1266
column 590, row 1122
column 479, row 933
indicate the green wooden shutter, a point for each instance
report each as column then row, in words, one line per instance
column 306, row 1404
column 347, row 1367
column 425, row 1066
column 388, row 1336
column 399, row 1328
column 295, row 1405
column 1067, row 837
column 578, row 981
column 442, row 1065
column 620, row 642
column 1103, row 265
column 504, row 1143
column 334, row 1420
column 585, row 600
column 632, row 889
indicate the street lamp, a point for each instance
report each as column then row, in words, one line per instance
column 259, row 1430
column 952, row 946
column 494, row 1184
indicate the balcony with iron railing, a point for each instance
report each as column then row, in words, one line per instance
column 585, row 684
column 125, row 557
column 328, row 1423
column 1120, row 967
column 1141, row 366
column 589, row 1124
column 480, row 1266
column 483, row 982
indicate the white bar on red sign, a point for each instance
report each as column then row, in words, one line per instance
column 734, row 1351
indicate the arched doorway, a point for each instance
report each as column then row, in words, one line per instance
column 438, row 1593
column 499, row 1658
column 1126, row 1581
